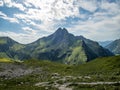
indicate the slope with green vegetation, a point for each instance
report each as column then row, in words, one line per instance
column 98, row 74
column 6, row 60
column 60, row 46
column 67, row 48
column 103, row 65
column 11, row 49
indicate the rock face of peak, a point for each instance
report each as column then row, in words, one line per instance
column 61, row 31
column 61, row 46
column 61, row 35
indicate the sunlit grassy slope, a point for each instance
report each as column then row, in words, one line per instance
column 9, row 60
column 6, row 60
column 104, row 65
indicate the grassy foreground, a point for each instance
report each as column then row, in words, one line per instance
column 106, row 69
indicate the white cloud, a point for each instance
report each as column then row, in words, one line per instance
column 106, row 29
column 29, row 30
column 90, row 5
column 1, row 3
column 12, row 3
column 19, row 6
column 110, row 8
column 48, row 10
column 102, row 25
column 4, row 16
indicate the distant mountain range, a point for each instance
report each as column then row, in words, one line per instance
column 104, row 43
column 60, row 46
column 114, row 46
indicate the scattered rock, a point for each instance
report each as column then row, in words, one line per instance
column 12, row 70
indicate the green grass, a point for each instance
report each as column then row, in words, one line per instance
column 2, row 41
column 99, row 66
column 3, row 55
column 96, row 87
column 51, row 67
column 9, row 60
column 17, row 47
column 102, row 65
column 26, row 87
column 6, row 60
column 78, row 56
column 100, row 69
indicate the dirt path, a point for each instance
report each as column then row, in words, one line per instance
column 65, row 85
column 96, row 83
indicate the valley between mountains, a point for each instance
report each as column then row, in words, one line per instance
column 60, row 61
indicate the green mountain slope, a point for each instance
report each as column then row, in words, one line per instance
column 114, row 46
column 67, row 48
column 95, row 47
column 61, row 46
column 11, row 49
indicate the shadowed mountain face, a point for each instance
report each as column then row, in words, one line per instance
column 114, row 46
column 63, row 47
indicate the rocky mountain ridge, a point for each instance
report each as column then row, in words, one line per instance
column 61, row 46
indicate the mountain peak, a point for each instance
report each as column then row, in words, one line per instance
column 62, row 31
column 5, row 38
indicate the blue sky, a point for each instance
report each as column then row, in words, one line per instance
column 27, row 20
